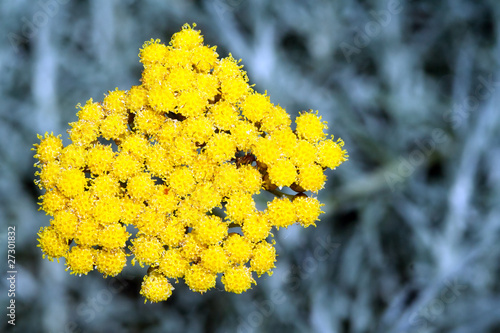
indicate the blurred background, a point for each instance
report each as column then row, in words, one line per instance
column 409, row 240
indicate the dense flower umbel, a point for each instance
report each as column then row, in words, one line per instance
column 160, row 157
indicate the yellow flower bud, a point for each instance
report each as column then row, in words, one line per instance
column 263, row 258
column 308, row 210
column 72, row 182
column 147, row 250
column 53, row 245
column 237, row 279
column 113, row 236
column 214, row 259
column 110, row 262
column 310, row 127
column 281, row 212
column 49, row 148
column 256, row 227
column 238, row 249
column 80, row 260
column 199, row 279
column 65, row 222
column 173, row 264
column 156, row 287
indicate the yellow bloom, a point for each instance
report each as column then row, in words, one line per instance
column 186, row 151
column 207, row 84
column 83, row 132
column 53, row 201
column 107, row 210
column 65, row 223
column 199, row 279
column 113, row 236
column 110, row 262
column 210, row 230
column 228, row 179
column 250, row 179
column 180, row 79
column 156, row 287
column 311, row 177
column 182, row 151
column 276, row 118
column 310, row 126
column 153, row 51
column 245, row 135
column 182, row 181
column 286, row 140
column 148, row 121
column 224, row 115
column 304, row 153
column 228, row 67
column 87, row 231
column 49, row 148
column 147, row 250
column 174, row 233
column 125, row 166
column 330, row 153
column 158, row 161
column 161, row 98
column 114, row 102
column 199, row 129
column 239, row 206
column 191, row 103
column 192, row 248
column 237, row 279
column 204, row 58
column 256, row 227
column 136, row 145
column 72, row 182
column 49, row 175
column 238, row 249
column 73, row 156
column 82, row 205
column 256, row 106
column 214, row 259
column 235, row 88
column 308, row 210
column 281, row 212
column 140, row 186
column 282, row 172
column 187, row 38
column 152, row 76
column 267, row 150
column 163, row 200
column 178, row 58
column 91, row 112
column 100, row 158
column 137, row 98
column 113, row 126
column 205, row 197
column 80, row 260
column 53, row 245
column 105, row 186
column 263, row 258
column 150, row 222
column 130, row 210
column 172, row 264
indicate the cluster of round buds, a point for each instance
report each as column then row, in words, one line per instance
column 180, row 158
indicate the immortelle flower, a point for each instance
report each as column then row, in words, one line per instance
column 181, row 158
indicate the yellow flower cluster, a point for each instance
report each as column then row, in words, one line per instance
column 162, row 156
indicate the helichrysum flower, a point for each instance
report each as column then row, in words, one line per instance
column 193, row 136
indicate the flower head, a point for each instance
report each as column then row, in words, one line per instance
column 181, row 158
